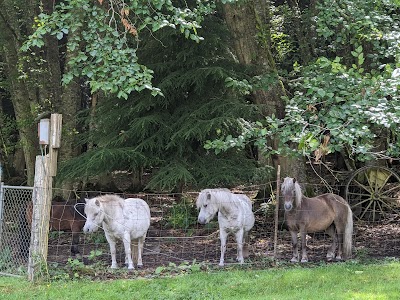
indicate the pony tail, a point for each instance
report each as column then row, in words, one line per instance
column 348, row 234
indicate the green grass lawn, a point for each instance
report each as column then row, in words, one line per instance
column 334, row 281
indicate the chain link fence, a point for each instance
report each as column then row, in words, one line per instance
column 14, row 230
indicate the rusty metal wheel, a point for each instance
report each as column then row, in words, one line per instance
column 373, row 193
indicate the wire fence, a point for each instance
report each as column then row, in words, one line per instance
column 13, row 251
column 175, row 236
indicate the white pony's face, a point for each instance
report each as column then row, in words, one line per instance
column 94, row 215
column 208, row 208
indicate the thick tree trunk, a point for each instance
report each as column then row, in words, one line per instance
column 252, row 48
column 39, row 89
column 15, row 25
column 248, row 22
column 306, row 44
column 70, row 104
column 23, row 101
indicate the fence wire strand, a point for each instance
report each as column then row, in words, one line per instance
column 175, row 236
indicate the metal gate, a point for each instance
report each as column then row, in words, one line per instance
column 14, row 230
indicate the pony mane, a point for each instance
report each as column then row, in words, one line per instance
column 108, row 198
column 290, row 184
column 202, row 196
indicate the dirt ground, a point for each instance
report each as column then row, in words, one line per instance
column 200, row 244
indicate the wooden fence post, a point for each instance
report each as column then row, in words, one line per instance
column 41, row 195
column 278, row 186
column 45, row 169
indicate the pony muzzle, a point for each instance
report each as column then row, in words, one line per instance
column 89, row 229
column 288, row 206
column 202, row 220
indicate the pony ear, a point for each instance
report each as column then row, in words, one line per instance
column 294, row 180
column 86, row 200
column 208, row 197
column 97, row 202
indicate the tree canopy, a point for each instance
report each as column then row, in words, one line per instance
column 345, row 99
column 167, row 132
column 105, row 37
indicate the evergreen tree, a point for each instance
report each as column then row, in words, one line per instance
column 166, row 134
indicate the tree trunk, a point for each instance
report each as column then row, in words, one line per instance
column 305, row 41
column 70, row 105
column 23, row 100
column 39, row 91
column 248, row 22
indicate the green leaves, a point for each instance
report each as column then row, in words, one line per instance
column 242, row 86
column 321, row 92
column 346, row 100
column 103, row 39
column 308, row 143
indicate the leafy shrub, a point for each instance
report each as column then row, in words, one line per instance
column 5, row 258
column 183, row 214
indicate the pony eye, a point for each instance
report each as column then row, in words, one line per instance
column 205, row 205
column 96, row 214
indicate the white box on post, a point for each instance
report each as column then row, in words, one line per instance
column 44, row 132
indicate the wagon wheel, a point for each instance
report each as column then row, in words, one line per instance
column 373, row 192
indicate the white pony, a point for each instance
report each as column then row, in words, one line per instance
column 127, row 220
column 235, row 216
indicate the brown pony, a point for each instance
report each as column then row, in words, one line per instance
column 327, row 212
column 63, row 217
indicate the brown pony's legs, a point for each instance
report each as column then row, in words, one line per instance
column 76, row 229
column 303, row 235
column 295, row 257
column 246, row 244
column 140, row 251
column 340, row 248
column 137, row 251
column 75, row 243
column 339, row 234
column 331, row 231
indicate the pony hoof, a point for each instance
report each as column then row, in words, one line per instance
column 294, row 260
column 140, row 266
column 240, row 261
column 304, row 260
column 221, row 265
